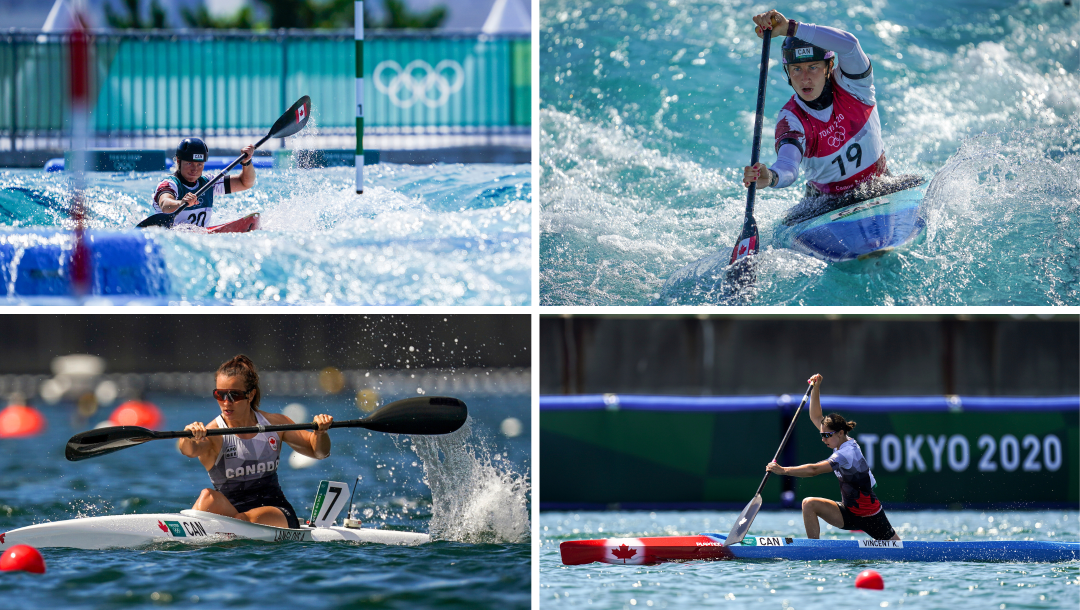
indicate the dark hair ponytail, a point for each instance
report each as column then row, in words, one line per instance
column 836, row 422
column 241, row 366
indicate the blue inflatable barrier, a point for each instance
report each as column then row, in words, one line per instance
column 212, row 164
column 36, row 263
column 882, row 404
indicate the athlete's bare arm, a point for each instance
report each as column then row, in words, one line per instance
column 815, row 402
column 806, row 470
column 206, row 448
column 305, row 442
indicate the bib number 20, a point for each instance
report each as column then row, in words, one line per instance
column 199, row 219
column 853, row 154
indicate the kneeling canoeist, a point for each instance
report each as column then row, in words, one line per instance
column 831, row 125
column 243, row 467
column 179, row 189
column 860, row 509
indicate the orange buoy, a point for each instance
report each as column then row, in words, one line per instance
column 22, row 557
column 21, row 420
column 137, row 413
column 869, row 579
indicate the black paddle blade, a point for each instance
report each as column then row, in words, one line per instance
column 743, row 523
column 419, row 415
column 101, row 441
column 293, row 120
column 157, row 220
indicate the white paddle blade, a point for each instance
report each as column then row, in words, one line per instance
column 743, row 523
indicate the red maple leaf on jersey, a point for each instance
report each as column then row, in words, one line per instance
column 163, row 527
column 624, row 552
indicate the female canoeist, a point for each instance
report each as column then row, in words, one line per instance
column 861, row 509
column 243, row 467
column 179, row 188
column 831, row 125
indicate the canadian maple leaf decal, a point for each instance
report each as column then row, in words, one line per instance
column 163, row 527
column 2, row 538
column 624, row 552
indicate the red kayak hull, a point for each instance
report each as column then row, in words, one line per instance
column 240, row 225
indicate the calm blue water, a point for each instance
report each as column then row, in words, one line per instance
column 480, row 560
column 419, row 235
column 647, row 118
column 808, row 585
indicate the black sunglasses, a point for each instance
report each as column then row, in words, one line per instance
column 825, row 435
column 230, row 395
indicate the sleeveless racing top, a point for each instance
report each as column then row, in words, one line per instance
column 247, row 468
column 198, row 214
column 856, row 481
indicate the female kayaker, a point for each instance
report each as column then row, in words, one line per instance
column 243, row 467
column 860, row 509
column 179, row 188
column 831, row 125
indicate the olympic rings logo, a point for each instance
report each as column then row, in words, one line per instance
column 418, row 82
column 838, row 137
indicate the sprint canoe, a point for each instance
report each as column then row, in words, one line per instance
column 871, row 220
column 131, row 531
column 651, row 550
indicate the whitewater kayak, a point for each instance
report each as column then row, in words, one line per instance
column 652, row 550
column 868, row 221
column 240, row 225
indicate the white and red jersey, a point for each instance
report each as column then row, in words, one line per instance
column 841, row 144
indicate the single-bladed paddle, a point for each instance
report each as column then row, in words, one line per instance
column 418, row 415
column 747, row 243
column 291, row 122
column 746, row 517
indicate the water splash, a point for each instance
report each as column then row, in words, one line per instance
column 476, row 495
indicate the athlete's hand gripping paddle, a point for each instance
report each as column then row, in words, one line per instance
column 291, row 122
column 747, row 243
column 746, row 517
column 418, row 415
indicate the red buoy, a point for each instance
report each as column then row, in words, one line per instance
column 22, row 557
column 21, row 420
column 869, row 579
column 137, row 413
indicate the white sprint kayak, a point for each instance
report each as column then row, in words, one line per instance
column 196, row 526
column 131, row 531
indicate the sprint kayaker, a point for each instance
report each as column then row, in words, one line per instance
column 244, row 467
column 831, row 125
column 860, row 509
column 179, row 188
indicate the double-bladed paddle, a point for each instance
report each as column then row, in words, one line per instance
column 418, row 415
column 291, row 122
column 747, row 243
column 746, row 517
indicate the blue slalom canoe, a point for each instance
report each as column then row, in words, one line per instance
column 868, row 221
